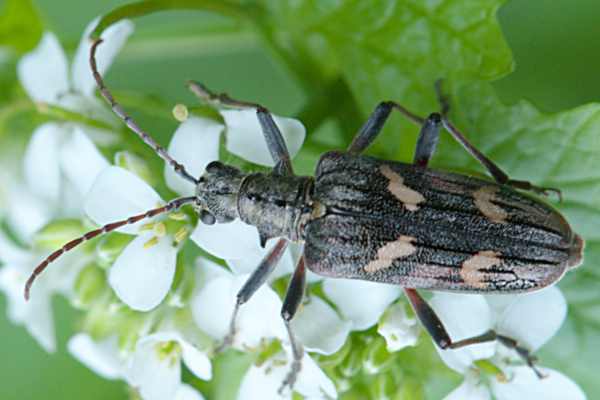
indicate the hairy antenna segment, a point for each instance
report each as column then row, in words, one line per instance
column 131, row 124
column 171, row 205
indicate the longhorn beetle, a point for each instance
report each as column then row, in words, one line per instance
column 364, row 218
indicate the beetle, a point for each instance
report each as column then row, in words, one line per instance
column 384, row 221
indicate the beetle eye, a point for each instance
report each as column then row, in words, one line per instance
column 207, row 218
column 213, row 166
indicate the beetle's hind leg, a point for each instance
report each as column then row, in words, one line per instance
column 497, row 173
column 440, row 336
column 273, row 137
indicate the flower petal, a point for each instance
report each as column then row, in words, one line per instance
column 43, row 72
column 212, row 309
column 35, row 314
column 534, row 318
column 398, row 329
column 248, row 264
column 464, row 316
column 156, row 375
column 118, row 194
column 264, row 381
column 312, row 381
column 245, row 137
column 26, row 213
column 469, row 390
column 42, row 162
column 81, row 161
column 141, row 277
column 365, row 309
column 10, row 253
column 326, row 337
column 196, row 361
column 186, row 392
column 524, row 384
column 217, row 239
column 195, row 143
column 101, row 357
column 114, row 37
column 207, row 271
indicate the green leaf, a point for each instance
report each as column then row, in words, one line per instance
column 20, row 25
column 558, row 150
column 142, row 8
column 390, row 50
column 396, row 49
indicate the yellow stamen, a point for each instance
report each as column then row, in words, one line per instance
column 178, row 216
column 152, row 242
column 147, row 227
column 181, row 234
column 160, row 229
column 180, row 112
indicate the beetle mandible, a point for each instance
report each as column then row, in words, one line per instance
column 364, row 218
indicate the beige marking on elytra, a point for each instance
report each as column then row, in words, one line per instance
column 391, row 251
column 409, row 197
column 470, row 270
column 483, row 201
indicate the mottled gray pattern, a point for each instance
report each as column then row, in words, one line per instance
column 534, row 242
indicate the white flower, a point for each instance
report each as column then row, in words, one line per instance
column 60, row 161
column 213, row 304
column 531, row 319
column 154, row 368
column 103, row 356
column 46, row 76
column 364, row 309
column 263, row 381
column 35, row 314
column 398, row 329
column 258, row 320
column 143, row 273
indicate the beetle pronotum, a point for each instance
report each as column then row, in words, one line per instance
column 365, row 218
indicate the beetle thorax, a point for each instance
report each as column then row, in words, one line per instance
column 274, row 204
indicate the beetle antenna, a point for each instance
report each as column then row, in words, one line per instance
column 131, row 124
column 170, row 206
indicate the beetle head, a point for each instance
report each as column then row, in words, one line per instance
column 217, row 193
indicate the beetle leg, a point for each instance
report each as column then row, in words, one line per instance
column 497, row 173
column 254, row 282
column 372, row 127
column 436, row 329
column 428, row 139
column 293, row 298
column 273, row 137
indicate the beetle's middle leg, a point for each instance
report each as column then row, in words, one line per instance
column 273, row 137
column 440, row 336
column 254, row 282
column 293, row 298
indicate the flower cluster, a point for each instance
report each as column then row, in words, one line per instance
column 150, row 310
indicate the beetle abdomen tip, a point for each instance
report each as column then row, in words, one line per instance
column 576, row 252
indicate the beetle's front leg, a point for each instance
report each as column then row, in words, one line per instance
column 374, row 124
column 293, row 298
column 254, row 282
column 273, row 137
column 440, row 336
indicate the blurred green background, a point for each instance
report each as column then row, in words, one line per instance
column 556, row 46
